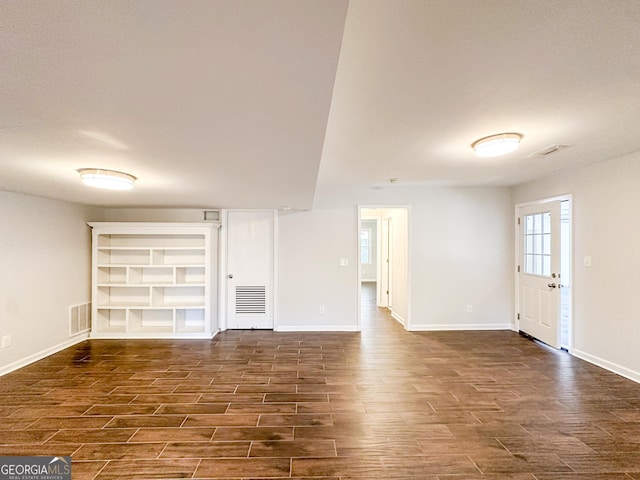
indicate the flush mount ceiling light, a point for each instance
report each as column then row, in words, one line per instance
column 496, row 145
column 109, row 179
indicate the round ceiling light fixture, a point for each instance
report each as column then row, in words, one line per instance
column 496, row 145
column 109, row 179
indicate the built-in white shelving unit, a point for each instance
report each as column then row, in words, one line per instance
column 153, row 280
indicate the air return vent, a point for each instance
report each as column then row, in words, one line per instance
column 251, row 299
column 556, row 147
column 79, row 318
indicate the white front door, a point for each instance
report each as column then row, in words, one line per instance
column 250, row 269
column 539, row 271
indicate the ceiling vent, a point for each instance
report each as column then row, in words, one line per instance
column 550, row 150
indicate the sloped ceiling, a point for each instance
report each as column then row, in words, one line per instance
column 258, row 104
column 218, row 103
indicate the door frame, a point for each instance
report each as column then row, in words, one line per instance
column 384, row 262
column 407, row 208
column 223, row 270
column 518, row 256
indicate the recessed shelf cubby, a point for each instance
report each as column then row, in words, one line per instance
column 181, row 256
column 151, row 320
column 122, row 296
column 110, row 320
column 189, row 319
column 122, row 256
column 151, row 275
column 190, row 275
column 112, row 275
column 178, row 296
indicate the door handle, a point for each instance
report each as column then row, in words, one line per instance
column 551, row 285
column 230, row 275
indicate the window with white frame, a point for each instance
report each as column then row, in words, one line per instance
column 365, row 246
column 537, row 244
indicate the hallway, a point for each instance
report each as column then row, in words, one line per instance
column 375, row 320
column 384, row 403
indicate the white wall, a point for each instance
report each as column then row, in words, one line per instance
column 153, row 215
column 606, row 302
column 461, row 254
column 310, row 246
column 45, row 258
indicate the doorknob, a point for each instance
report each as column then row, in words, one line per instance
column 230, row 275
column 551, row 285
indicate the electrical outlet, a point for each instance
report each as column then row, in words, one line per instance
column 344, row 262
column 469, row 308
column 321, row 309
column 587, row 261
column 6, row 341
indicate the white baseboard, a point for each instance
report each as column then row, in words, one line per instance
column 398, row 318
column 42, row 354
column 607, row 365
column 152, row 336
column 465, row 326
column 317, row 328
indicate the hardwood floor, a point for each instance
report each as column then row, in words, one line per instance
column 384, row 403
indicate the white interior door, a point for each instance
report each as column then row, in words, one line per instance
column 250, row 269
column 539, row 272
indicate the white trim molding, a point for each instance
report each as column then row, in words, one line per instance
column 607, row 365
column 43, row 354
column 399, row 319
column 317, row 328
column 465, row 326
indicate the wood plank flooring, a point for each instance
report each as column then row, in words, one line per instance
column 384, row 403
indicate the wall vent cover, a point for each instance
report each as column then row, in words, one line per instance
column 251, row 299
column 79, row 318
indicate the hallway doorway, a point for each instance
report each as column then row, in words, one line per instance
column 383, row 262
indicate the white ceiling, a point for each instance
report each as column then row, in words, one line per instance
column 226, row 103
